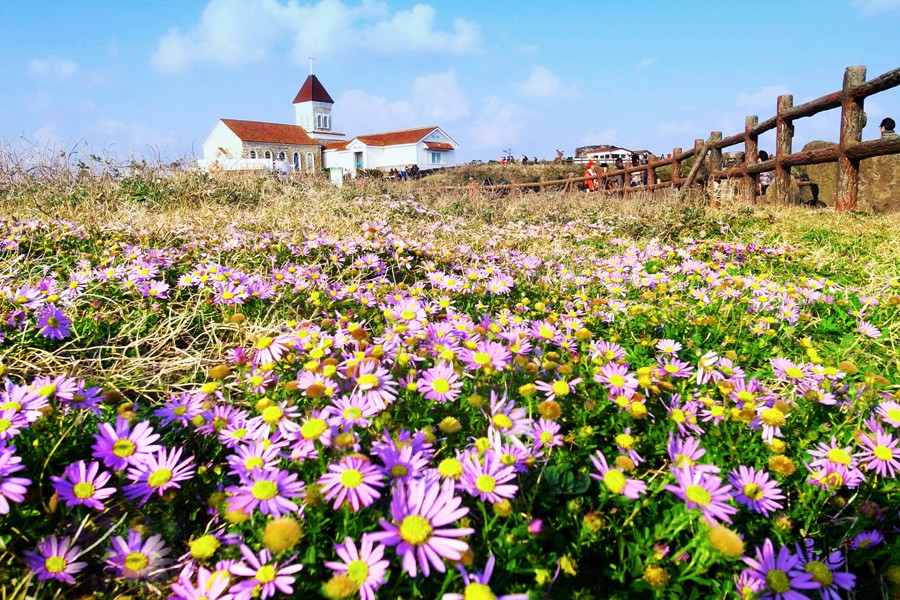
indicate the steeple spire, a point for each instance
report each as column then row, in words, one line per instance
column 311, row 59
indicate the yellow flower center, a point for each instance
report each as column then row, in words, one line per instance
column 55, row 564
column 794, row 372
column 353, row 413
column 502, row 421
column 625, row 440
column 561, row 388
column 159, row 477
column 440, row 385
column 678, row 416
column 264, row 490
column 753, row 491
column 5, row 424
column 83, row 489
column 123, row 448
column 135, row 561
column 254, row 461
column 778, row 581
column 351, row 478
column 358, row 571
column 264, row 342
column 510, row 459
column 266, row 574
column 312, row 429
column 546, row 437
column 820, row 572
column 883, row 453
column 486, row 484
column 367, row 381
column 839, row 456
column 698, row 495
column 481, row 358
column 773, row 417
column 450, row 467
column 478, row 591
column 272, row 414
column 615, row 481
column 415, row 530
column 894, row 414
column 616, row 380
column 408, row 315
column 399, row 471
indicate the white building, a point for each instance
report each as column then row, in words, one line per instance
column 426, row 147
column 312, row 144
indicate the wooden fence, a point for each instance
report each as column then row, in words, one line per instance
column 707, row 155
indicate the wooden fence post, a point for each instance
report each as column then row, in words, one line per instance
column 851, row 133
column 676, row 166
column 751, row 157
column 715, row 154
column 784, row 135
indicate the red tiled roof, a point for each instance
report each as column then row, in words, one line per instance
column 342, row 145
column 312, row 90
column 438, row 146
column 275, row 133
column 395, row 138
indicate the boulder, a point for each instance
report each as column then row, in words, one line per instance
column 879, row 180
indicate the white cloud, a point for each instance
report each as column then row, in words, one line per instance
column 870, row 8
column 763, row 98
column 360, row 113
column 46, row 136
column 234, row 32
column 542, row 83
column 669, row 129
column 439, row 97
column 52, row 68
column 607, row 136
column 498, row 125
column 645, row 63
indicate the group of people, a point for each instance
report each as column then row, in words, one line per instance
column 403, row 173
column 636, row 179
column 511, row 160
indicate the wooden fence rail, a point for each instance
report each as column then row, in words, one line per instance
column 847, row 153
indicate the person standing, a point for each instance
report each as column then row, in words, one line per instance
column 765, row 177
column 887, row 127
column 591, row 184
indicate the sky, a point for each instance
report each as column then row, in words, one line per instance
column 149, row 80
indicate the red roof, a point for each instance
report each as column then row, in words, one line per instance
column 438, row 146
column 312, row 90
column 395, row 138
column 342, row 145
column 274, row 133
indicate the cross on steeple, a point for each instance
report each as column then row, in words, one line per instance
column 311, row 59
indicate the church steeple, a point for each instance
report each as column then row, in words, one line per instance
column 312, row 107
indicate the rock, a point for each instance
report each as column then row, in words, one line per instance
column 878, row 180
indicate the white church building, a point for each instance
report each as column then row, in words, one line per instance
column 311, row 144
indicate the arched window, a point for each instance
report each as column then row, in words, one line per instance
column 325, row 122
column 296, row 161
column 281, row 156
column 253, row 154
column 268, row 154
column 310, row 162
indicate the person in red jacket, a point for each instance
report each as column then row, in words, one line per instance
column 591, row 172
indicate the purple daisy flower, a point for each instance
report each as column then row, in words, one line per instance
column 136, row 558
column 487, row 355
column 210, row 585
column 486, row 478
column 11, row 488
column 546, row 434
column 440, row 383
column 825, row 570
column 55, row 559
column 756, row 490
column 420, row 513
column 614, row 479
column 11, row 423
column 617, row 380
column 83, row 484
column 264, row 576
column 159, row 472
column 365, row 566
column 477, row 585
column 703, row 490
column 352, row 481
column 866, row 539
column 270, row 490
column 782, row 575
column 53, row 323
column 880, row 454
column 123, row 447
column 180, row 408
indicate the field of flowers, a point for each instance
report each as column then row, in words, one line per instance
column 399, row 394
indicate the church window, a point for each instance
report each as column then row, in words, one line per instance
column 268, row 154
column 318, row 121
column 281, row 156
column 325, row 122
column 310, row 163
column 253, row 154
column 296, row 161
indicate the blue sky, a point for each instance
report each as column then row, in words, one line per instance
column 150, row 79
